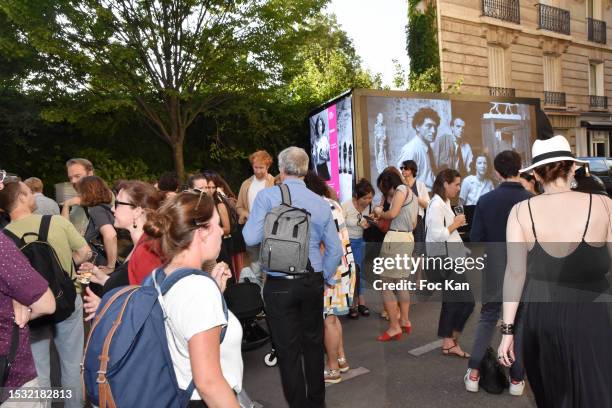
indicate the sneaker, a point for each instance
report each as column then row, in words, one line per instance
column 332, row 376
column 517, row 388
column 470, row 384
column 343, row 364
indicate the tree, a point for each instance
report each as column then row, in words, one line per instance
column 169, row 60
column 422, row 46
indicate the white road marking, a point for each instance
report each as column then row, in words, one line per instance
column 419, row 351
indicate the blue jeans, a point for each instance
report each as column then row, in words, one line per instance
column 68, row 337
column 358, row 247
column 489, row 314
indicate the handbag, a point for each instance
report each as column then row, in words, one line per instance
column 493, row 379
column 7, row 361
column 376, row 232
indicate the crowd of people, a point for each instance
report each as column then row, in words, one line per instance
column 108, row 238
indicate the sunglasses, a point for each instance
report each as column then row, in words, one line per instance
column 118, row 203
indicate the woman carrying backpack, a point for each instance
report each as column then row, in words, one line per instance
column 100, row 234
column 188, row 227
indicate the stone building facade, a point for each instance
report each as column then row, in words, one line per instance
column 559, row 51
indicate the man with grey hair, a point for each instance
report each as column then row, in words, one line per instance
column 294, row 303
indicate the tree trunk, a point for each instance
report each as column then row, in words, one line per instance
column 179, row 160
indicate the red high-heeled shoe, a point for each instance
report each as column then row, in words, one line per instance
column 387, row 337
column 407, row 329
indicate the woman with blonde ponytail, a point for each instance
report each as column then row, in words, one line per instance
column 188, row 228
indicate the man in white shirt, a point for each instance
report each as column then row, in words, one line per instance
column 452, row 151
column 261, row 179
column 425, row 123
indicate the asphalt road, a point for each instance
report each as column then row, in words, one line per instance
column 395, row 378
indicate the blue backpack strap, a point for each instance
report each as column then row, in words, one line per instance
column 166, row 282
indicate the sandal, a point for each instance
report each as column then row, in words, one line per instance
column 332, row 376
column 343, row 364
column 353, row 313
column 447, row 351
column 363, row 310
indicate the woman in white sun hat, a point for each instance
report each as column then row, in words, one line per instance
column 562, row 240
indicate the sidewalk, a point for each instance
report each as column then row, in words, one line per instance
column 396, row 378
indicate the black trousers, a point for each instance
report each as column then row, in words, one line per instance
column 457, row 306
column 294, row 312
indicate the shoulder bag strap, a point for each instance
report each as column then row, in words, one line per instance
column 444, row 220
column 10, row 357
column 43, row 232
column 285, row 194
column 14, row 343
column 18, row 241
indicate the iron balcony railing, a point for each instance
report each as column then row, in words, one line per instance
column 506, row 92
column 554, row 19
column 598, row 102
column 554, row 98
column 507, row 10
column 597, row 30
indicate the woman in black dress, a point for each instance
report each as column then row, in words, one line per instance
column 561, row 241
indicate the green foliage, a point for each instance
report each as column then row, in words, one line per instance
column 172, row 60
column 428, row 81
column 422, row 46
column 67, row 101
column 112, row 170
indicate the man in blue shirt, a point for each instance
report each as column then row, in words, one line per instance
column 294, row 303
column 489, row 225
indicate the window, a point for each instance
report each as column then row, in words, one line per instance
column 498, row 63
column 596, row 78
column 552, row 73
column 600, row 147
column 594, row 9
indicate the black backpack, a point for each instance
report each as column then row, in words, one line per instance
column 43, row 258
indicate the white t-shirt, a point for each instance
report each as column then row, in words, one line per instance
column 194, row 305
column 255, row 187
column 352, row 218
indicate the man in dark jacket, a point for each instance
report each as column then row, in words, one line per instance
column 489, row 225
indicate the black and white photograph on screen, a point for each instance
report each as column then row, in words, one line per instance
column 346, row 149
column 319, row 140
column 402, row 129
column 439, row 134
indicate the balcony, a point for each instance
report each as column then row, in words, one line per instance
column 554, row 99
column 505, row 92
column 506, row 10
column 597, row 30
column 554, row 19
column 598, row 102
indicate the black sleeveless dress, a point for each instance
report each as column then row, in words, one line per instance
column 568, row 337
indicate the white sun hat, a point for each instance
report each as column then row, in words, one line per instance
column 551, row 150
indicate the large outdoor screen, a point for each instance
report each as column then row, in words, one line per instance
column 442, row 133
column 332, row 151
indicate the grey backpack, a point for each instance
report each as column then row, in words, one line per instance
column 286, row 237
